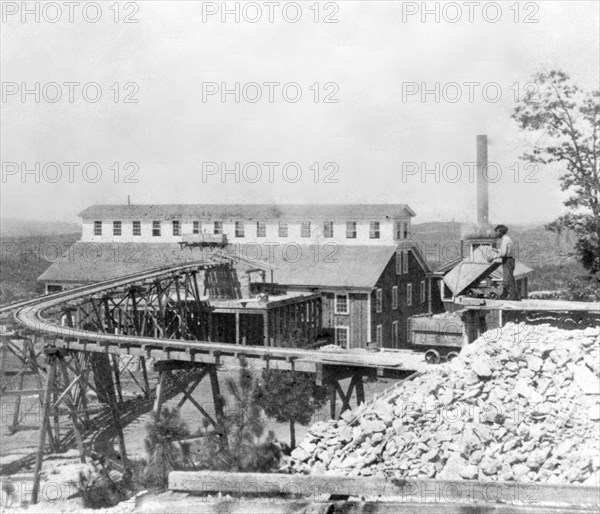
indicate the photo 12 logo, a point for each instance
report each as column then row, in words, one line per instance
column 471, row 12
column 454, row 172
column 69, row 12
column 70, row 172
column 269, row 92
column 269, row 12
column 69, row 92
column 271, row 172
column 467, row 92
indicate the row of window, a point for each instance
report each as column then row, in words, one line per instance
column 342, row 304
column 261, row 229
column 342, row 335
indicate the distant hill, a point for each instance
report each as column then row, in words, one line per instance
column 15, row 227
column 536, row 246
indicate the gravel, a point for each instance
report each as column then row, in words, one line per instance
column 519, row 404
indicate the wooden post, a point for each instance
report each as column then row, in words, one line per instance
column 45, row 422
column 145, row 375
column 17, row 413
column 218, row 403
column 115, row 359
column 237, row 328
column 266, row 328
column 74, row 419
column 360, row 391
column 160, row 392
column 332, row 398
column 56, row 418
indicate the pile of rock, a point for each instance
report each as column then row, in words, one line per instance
column 520, row 403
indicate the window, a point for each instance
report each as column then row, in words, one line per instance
column 137, row 228
column 341, row 336
column 405, row 230
column 156, row 229
column 374, row 230
column 176, row 228
column 341, row 304
column 195, row 227
column 97, row 228
column 261, row 229
column 218, row 227
column 398, row 263
column 379, row 335
column 239, row 229
column 398, row 230
column 351, row 230
column 423, row 291
column 116, row 228
column 283, row 229
column 305, row 230
column 409, row 294
column 379, row 300
column 395, row 297
column 405, row 262
column 328, row 229
column 395, row 334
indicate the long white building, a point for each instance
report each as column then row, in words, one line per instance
column 303, row 224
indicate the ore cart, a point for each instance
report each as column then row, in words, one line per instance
column 439, row 337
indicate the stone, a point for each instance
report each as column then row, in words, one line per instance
column 585, row 379
column 489, row 466
column 482, row 368
column 534, row 363
column 452, row 468
column 520, row 470
column 300, row 454
column 476, row 457
column 511, row 366
column 373, row 426
column 471, row 378
column 469, row 472
column 593, row 413
column 430, row 455
column 537, row 458
column 376, row 438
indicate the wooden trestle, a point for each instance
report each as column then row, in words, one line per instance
column 90, row 337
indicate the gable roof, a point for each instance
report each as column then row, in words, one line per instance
column 356, row 267
column 326, row 212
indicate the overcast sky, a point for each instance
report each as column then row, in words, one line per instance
column 365, row 62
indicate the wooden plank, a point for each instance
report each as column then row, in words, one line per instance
column 321, row 487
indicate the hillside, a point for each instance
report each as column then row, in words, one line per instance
column 15, row 227
column 535, row 246
column 23, row 259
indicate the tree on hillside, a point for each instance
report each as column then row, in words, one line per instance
column 290, row 396
column 566, row 121
column 163, row 446
column 246, row 449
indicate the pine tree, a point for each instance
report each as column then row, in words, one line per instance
column 246, row 449
column 165, row 452
column 290, row 396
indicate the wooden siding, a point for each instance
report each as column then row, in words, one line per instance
column 386, row 282
column 356, row 319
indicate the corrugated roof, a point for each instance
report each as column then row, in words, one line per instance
column 336, row 266
column 247, row 211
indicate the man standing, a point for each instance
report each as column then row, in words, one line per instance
column 504, row 254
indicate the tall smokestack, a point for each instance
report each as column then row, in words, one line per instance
column 482, row 181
